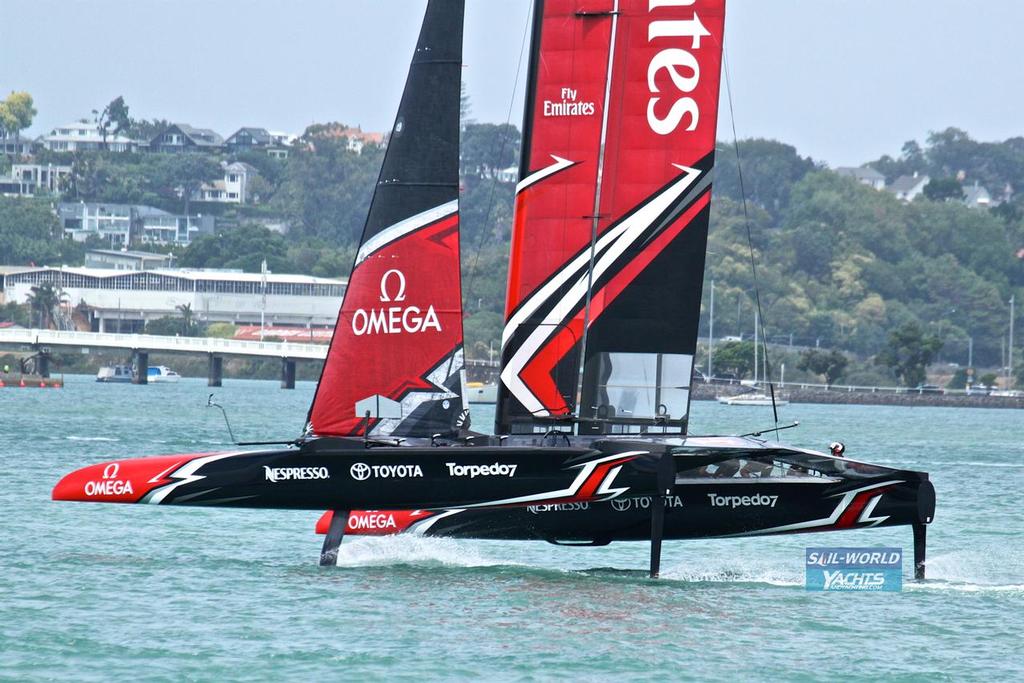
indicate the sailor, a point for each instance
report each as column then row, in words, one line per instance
column 837, row 448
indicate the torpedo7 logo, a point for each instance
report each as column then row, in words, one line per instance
column 394, row 319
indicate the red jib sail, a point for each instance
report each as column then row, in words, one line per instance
column 611, row 219
column 396, row 354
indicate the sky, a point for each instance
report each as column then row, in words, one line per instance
column 844, row 81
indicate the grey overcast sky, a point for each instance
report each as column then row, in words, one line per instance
column 843, row 80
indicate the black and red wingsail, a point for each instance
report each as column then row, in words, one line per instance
column 397, row 348
column 612, row 212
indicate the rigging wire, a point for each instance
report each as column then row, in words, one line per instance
column 750, row 239
column 484, row 233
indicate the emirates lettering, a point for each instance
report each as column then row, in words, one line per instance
column 758, row 500
column 568, row 106
column 473, row 471
column 379, row 521
column 109, row 487
column 680, row 64
column 276, row 474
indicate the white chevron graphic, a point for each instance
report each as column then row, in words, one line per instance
column 609, row 247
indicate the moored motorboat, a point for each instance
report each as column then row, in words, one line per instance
column 161, row 374
column 115, row 374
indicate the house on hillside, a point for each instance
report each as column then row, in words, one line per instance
column 908, row 187
column 85, row 137
column 357, row 138
column 123, row 223
column 233, row 189
column 977, row 197
column 865, row 175
column 28, row 180
column 181, row 137
column 275, row 144
column 16, row 147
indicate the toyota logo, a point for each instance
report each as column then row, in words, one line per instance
column 621, row 505
column 360, row 471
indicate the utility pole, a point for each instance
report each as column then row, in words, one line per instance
column 1009, row 351
column 263, row 307
column 711, row 330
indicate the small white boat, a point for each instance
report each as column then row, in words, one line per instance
column 478, row 392
column 161, row 374
column 115, row 374
column 752, row 400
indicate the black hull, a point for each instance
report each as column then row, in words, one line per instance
column 706, row 510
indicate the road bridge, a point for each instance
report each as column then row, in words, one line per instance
column 141, row 345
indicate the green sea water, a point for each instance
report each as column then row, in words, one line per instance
column 107, row 592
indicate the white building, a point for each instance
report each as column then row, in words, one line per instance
column 125, row 301
column 27, row 180
column 119, row 223
column 85, row 137
column 234, row 189
column 865, row 175
column 908, row 187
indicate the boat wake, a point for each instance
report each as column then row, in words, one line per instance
column 90, row 438
column 413, row 550
column 972, row 571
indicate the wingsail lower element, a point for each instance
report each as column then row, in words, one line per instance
column 397, row 354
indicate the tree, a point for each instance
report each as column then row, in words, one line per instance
column 181, row 175
column 943, row 189
column 16, row 114
column 831, row 364
column 31, row 234
column 189, row 326
column 42, row 300
column 734, row 357
column 244, row 247
column 114, row 114
column 909, row 352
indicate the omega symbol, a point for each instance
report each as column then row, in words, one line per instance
column 385, row 279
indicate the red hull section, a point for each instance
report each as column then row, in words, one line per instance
column 121, row 481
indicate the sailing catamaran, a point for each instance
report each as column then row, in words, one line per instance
column 604, row 294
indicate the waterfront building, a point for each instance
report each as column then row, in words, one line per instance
column 114, row 300
column 126, row 260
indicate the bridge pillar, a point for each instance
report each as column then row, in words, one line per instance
column 140, row 363
column 287, row 373
column 215, row 376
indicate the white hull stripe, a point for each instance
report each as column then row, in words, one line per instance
column 610, row 247
column 403, row 228
column 587, row 469
column 826, row 521
column 186, row 474
column 537, row 176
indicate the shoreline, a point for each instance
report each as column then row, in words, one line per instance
column 797, row 394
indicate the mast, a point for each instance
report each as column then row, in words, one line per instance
column 611, row 216
column 395, row 365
